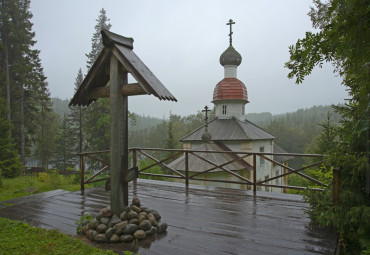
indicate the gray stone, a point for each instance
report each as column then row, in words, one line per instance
column 135, row 208
column 136, row 201
column 156, row 215
column 126, row 238
column 100, row 238
column 134, row 221
column 145, row 225
column 131, row 215
column 92, row 234
column 104, row 220
column 126, row 209
column 106, row 212
column 84, row 229
column 143, row 208
column 162, row 227
column 99, row 216
column 118, row 228
column 123, row 216
column 151, row 231
column 93, row 224
column 109, row 233
column 130, row 229
column 114, row 239
column 147, row 210
column 141, row 217
column 152, row 219
column 140, row 235
column 113, row 221
column 101, row 228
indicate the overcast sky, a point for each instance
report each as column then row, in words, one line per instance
column 181, row 42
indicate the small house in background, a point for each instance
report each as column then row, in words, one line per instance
column 231, row 131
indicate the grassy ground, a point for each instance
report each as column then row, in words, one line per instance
column 27, row 185
column 20, row 238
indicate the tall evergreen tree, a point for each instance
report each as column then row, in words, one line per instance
column 65, row 146
column 10, row 165
column 342, row 38
column 96, row 124
column 75, row 118
column 96, row 40
column 22, row 80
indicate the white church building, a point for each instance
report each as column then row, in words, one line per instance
column 231, row 131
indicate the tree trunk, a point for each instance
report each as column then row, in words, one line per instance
column 7, row 77
column 23, row 139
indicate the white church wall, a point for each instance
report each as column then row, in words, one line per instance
column 232, row 110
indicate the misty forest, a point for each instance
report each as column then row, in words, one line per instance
column 41, row 131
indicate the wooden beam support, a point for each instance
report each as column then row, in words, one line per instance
column 118, row 141
column 132, row 89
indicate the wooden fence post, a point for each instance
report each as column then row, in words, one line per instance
column 254, row 173
column 187, row 169
column 134, row 164
column 82, row 173
column 336, row 186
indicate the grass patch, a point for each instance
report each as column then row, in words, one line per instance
column 20, row 238
column 26, row 185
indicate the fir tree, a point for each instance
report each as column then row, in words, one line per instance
column 10, row 165
column 75, row 118
column 96, row 121
column 96, row 40
column 342, row 38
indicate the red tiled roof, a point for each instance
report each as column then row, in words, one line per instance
column 230, row 88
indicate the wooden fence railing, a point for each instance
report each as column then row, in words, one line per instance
column 187, row 174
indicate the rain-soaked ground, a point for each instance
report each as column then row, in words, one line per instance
column 201, row 220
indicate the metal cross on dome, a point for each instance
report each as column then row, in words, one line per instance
column 231, row 22
column 206, row 110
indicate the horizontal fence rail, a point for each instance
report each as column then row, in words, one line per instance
column 136, row 155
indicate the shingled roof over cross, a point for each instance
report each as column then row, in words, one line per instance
column 98, row 76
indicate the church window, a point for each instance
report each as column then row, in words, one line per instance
column 224, row 109
column 262, row 160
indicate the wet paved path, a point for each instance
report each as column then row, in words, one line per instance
column 202, row 220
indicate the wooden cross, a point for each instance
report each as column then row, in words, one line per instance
column 231, row 22
column 206, row 110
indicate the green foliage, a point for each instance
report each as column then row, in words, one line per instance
column 27, row 185
column 20, row 238
column 84, row 220
column 342, row 39
column 153, row 170
column 10, row 165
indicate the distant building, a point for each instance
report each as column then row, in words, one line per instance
column 231, row 131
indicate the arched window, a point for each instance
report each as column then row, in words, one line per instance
column 224, row 109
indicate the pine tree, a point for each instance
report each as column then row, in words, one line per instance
column 75, row 118
column 10, row 165
column 342, row 37
column 21, row 79
column 65, row 146
column 96, row 40
column 96, row 124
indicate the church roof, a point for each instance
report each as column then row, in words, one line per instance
column 229, row 130
column 230, row 88
column 198, row 165
column 280, row 158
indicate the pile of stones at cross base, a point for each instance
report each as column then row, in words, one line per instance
column 134, row 223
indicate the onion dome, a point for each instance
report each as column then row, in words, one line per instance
column 230, row 88
column 230, row 57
